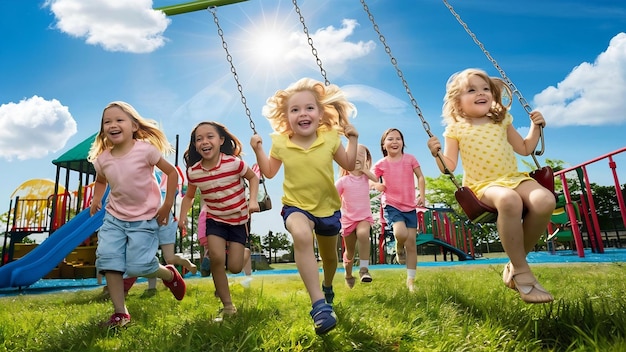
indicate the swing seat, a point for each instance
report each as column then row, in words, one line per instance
column 476, row 211
column 545, row 177
column 479, row 212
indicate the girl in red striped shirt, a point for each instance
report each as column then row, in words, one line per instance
column 216, row 170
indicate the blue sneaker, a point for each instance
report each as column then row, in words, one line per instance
column 324, row 317
column 329, row 294
column 205, row 267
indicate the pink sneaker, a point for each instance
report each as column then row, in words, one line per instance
column 117, row 320
column 177, row 284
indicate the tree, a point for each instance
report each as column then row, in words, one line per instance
column 276, row 242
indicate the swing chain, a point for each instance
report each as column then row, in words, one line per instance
column 310, row 41
column 425, row 123
column 229, row 58
column 505, row 78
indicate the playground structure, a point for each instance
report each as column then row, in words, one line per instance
column 435, row 230
column 576, row 215
column 68, row 252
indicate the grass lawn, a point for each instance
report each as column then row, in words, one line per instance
column 461, row 308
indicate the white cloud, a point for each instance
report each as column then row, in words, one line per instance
column 383, row 102
column 592, row 94
column 116, row 25
column 33, row 128
column 332, row 46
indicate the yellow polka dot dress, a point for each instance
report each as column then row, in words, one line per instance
column 487, row 157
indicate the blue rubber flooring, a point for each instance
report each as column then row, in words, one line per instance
column 610, row 255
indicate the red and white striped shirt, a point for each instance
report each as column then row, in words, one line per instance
column 222, row 189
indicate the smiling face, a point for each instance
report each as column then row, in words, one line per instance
column 303, row 114
column 477, row 98
column 118, row 127
column 393, row 144
column 208, row 142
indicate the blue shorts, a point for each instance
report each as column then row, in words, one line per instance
column 393, row 215
column 167, row 233
column 328, row 226
column 127, row 246
column 230, row 233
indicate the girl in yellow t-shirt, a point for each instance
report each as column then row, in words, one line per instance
column 308, row 119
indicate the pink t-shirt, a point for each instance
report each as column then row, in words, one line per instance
column 134, row 193
column 399, row 179
column 355, row 199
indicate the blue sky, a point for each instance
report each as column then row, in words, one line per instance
column 64, row 60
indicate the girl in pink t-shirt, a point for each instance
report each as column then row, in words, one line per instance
column 356, row 214
column 124, row 154
column 398, row 171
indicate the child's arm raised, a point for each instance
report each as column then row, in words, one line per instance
column 346, row 157
column 527, row 145
column 269, row 166
column 450, row 153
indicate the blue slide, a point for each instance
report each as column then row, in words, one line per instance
column 46, row 256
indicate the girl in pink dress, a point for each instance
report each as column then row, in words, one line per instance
column 356, row 214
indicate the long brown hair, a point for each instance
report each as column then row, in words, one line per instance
column 231, row 145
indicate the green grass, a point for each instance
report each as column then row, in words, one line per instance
column 463, row 308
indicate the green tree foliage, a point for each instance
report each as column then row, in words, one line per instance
column 275, row 242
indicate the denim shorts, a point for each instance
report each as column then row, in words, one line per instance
column 393, row 215
column 167, row 233
column 327, row 226
column 230, row 233
column 127, row 246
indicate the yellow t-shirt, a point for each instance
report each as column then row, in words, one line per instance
column 487, row 156
column 308, row 174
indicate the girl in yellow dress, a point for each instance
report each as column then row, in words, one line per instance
column 479, row 127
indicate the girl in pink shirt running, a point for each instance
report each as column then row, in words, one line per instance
column 356, row 214
column 124, row 154
column 398, row 171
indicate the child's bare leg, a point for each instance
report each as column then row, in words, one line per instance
column 217, row 253
column 301, row 230
column 509, row 205
column 175, row 259
column 247, row 260
column 363, row 239
column 401, row 234
column 540, row 204
column 152, row 283
column 328, row 251
column 411, row 248
column 348, row 256
column 115, row 284
column 236, row 257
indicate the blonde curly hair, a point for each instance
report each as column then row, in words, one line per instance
column 147, row 130
column 330, row 100
column 458, row 83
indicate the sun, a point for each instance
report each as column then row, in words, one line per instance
column 269, row 42
column 269, row 46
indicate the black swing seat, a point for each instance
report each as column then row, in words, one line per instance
column 479, row 212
